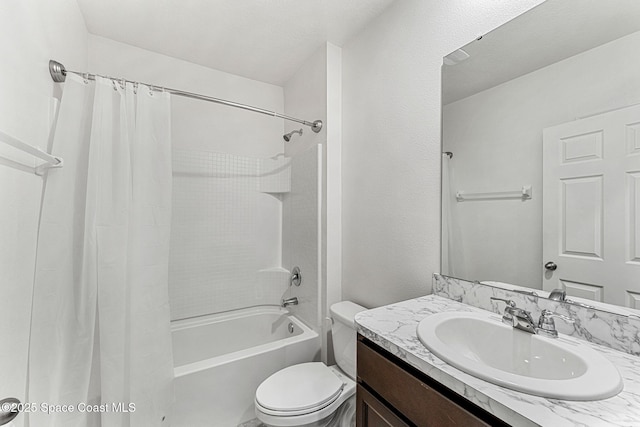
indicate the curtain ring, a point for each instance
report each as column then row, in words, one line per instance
column 113, row 82
column 123, row 83
column 135, row 88
column 151, row 90
column 85, row 77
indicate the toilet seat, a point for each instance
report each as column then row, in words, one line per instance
column 298, row 390
column 318, row 416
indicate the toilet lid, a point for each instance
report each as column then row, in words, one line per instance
column 300, row 387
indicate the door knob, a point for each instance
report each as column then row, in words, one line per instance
column 551, row 266
column 9, row 409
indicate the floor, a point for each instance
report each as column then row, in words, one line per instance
column 253, row 423
column 345, row 416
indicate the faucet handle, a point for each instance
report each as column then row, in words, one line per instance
column 509, row 302
column 548, row 315
column 507, row 316
column 546, row 325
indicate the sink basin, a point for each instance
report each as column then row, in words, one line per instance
column 481, row 345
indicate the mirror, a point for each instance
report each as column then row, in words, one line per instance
column 542, row 120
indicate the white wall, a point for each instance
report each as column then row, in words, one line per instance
column 391, row 142
column 199, row 125
column 224, row 231
column 496, row 136
column 300, row 232
column 314, row 92
column 332, row 195
column 305, row 98
column 31, row 33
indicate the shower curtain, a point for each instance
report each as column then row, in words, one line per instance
column 100, row 338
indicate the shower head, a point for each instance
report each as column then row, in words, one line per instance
column 287, row 136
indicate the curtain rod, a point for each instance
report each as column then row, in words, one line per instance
column 59, row 74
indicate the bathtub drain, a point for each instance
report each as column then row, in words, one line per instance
column 290, row 328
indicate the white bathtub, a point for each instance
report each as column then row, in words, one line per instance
column 221, row 359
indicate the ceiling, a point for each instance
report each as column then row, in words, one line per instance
column 265, row 40
column 552, row 31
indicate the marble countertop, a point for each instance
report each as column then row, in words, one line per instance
column 393, row 327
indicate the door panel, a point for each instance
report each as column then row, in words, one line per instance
column 633, row 218
column 582, row 216
column 591, row 207
column 582, row 290
column 633, row 138
column 582, row 147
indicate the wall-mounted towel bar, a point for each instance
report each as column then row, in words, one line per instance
column 523, row 194
column 49, row 160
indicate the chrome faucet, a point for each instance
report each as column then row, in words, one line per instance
column 558, row 295
column 289, row 301
column 521, row 319
column 546, row 325
column 516, row 317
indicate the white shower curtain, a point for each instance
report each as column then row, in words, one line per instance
column 100, row 322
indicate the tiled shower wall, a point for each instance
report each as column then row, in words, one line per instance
column 301, row 232
column 226, row 238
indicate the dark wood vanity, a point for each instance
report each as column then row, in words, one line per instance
column 390, row 392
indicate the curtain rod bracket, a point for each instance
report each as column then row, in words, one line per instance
column 316, row 126
column 57, row 71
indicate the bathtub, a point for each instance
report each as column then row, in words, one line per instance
column 221, row 359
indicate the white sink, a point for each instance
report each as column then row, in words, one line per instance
column 481, row 345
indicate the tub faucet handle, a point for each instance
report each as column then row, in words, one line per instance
column 296, row 277
column 289, row 301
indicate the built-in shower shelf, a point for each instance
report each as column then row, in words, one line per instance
column 274, row 192
column 275, row 270
column 274, row 175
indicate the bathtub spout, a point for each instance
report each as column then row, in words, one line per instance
column 289, row 301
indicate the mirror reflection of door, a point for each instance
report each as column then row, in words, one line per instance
column 591, row 202
column 515, row 82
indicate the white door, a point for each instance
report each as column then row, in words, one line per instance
column 591, row 207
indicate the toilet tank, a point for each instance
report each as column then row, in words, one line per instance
column 343, row 333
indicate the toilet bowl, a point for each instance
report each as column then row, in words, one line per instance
column 309, row 394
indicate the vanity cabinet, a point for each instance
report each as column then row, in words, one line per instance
column 390, row 392
column 372, row 412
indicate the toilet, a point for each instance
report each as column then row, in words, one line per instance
column 309, row 394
